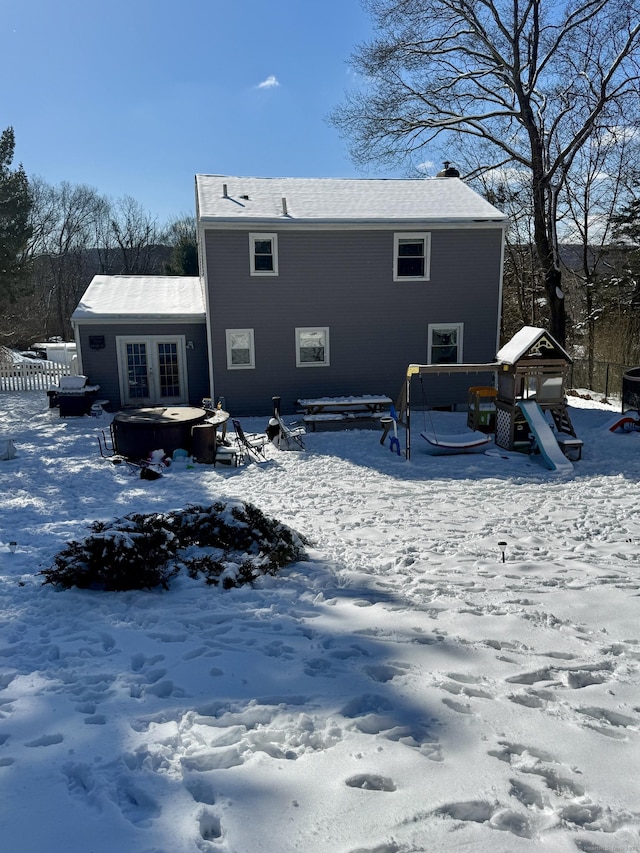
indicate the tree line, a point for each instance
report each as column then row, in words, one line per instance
column 536, row 102
column 54, row 239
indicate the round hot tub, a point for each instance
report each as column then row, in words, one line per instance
column 631, row 390
column 138, row 432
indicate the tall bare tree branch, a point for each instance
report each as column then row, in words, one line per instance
column 534, row 78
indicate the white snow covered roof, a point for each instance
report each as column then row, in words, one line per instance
column 133, row 296
column 526, row 339
column 326, row 200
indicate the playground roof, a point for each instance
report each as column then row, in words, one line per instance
column 531, row 342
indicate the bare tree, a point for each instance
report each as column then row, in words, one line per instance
column 599, row 186
column 64, row 220
column 531, row 78
column 136, row 235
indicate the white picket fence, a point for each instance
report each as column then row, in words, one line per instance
column 31, row 377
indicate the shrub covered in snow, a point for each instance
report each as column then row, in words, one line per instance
column 229, row 543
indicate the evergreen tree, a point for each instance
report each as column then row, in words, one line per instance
column 182, row 237
column 15, row 230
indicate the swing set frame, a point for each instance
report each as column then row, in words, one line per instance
column 403, row 406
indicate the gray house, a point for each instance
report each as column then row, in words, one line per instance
column 308, row 288
column 331, row 287
column 143, row 339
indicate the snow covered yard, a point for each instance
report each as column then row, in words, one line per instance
column 401, row 690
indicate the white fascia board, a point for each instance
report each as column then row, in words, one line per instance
column 129, row 320
column 346, row 225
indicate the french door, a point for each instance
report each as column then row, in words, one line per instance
column 152, row 370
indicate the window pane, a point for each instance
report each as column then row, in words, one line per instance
column 240, row 340
column 410, row 247
column 444, row 346
column 312, row 346
column 240, row 356
column 137, row 371
column 169, row 374
column 263, row 256
column 240, row 346
column 411, row 267
column 411, row 258
column 262, row 247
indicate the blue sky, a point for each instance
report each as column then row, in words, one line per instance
column 134, row 97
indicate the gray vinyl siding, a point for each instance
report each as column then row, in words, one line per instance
column 101, row 366
column 343, row 279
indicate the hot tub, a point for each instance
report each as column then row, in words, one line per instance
column 631, row 390
column 138, row 432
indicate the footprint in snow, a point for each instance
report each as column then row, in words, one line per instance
column 494, row 815
column 46, row 740
column 370, row 782
column 209, row 825
column 459, row 707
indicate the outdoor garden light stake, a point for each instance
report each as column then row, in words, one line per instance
column 503, row 548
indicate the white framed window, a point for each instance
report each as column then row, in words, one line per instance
column 445, row 343
column 312, row 347
column 241, row 352
column 411, row 256
column 263, row 254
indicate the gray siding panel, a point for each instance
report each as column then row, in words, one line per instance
column 101, row 366
column 344, row 280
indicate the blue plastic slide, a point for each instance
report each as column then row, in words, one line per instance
column 546, row 442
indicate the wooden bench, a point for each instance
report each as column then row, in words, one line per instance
column 344, row 411
column 570, row 445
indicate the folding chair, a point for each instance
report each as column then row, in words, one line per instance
column 252, row 444
column 290, row 437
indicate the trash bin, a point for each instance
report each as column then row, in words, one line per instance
column 203, row 443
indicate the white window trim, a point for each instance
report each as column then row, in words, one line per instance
column 436, row 327
column 253, row 238
column 325, row 331
column 409, row 235
column 252, row 349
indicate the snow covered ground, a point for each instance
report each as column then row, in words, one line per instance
column 401, row 690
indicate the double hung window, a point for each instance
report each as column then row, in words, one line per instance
column 411, row 256
column 312, row 347
column 240, row 349
column 445, row 344
column 263, row 254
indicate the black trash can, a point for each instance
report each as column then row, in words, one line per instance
column 203, row 444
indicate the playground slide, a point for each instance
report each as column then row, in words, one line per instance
column 549, row 448
column 627, row 421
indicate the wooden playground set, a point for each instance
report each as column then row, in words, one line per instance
column 525, row 410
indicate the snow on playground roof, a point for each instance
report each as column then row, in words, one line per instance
column 229, row 198
column 522, row 341
column 129, row 296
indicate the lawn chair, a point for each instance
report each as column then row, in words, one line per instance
column 290, row 437
column 252, row 444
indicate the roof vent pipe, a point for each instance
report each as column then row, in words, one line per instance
column 224, row 191
column 284, row 206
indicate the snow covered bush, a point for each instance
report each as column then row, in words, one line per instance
column 230, row 543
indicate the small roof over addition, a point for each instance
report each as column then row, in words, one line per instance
column 127, row 297
column 225, row 198
column 531, row 342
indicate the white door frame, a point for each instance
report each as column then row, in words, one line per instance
column 150, row 342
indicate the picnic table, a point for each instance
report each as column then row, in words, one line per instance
column 343, row 409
